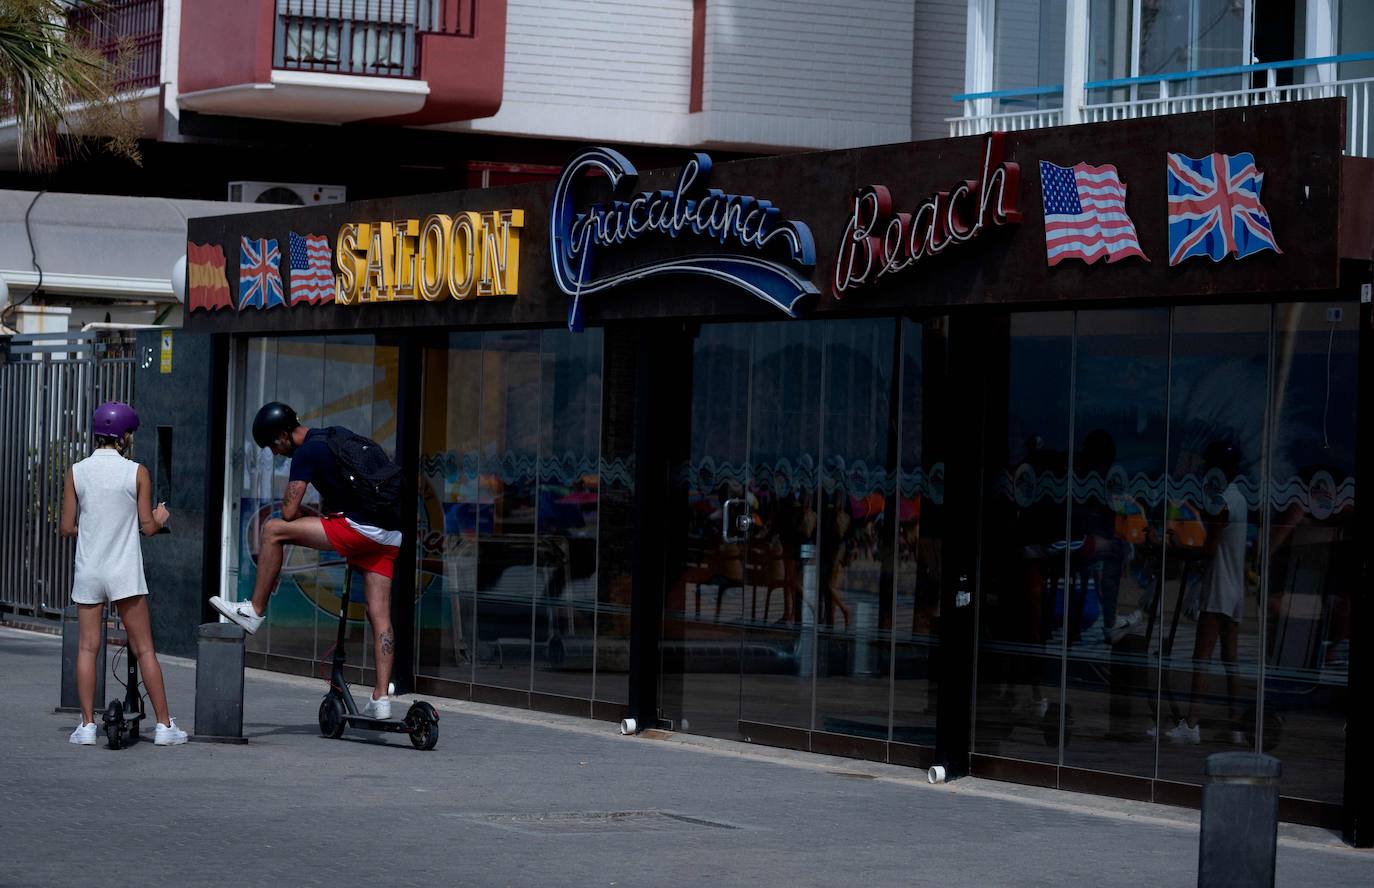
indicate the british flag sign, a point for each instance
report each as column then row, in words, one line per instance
column 259, row 273
column 1215, row 209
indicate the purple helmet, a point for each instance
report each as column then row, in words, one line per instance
column 114, row 420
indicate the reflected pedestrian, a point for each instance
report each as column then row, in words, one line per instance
column 1219, row 605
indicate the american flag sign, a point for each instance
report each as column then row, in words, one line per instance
column 312, row 277
column 259, row 273
column 1085, row 214
column 1215, row 209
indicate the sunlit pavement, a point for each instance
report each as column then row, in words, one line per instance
column 517, row 798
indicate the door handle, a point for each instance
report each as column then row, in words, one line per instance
column 737, row 521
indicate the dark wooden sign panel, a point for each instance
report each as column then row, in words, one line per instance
column 1297, row 147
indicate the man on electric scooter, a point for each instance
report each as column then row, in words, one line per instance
column 360, row 491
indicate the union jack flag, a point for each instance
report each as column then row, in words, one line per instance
column 312, row 280
column 259, row 274
column 1215, row 209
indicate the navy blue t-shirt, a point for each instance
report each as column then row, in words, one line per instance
column 314, row 463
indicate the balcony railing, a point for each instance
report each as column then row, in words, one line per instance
column 128, row 33
column 1132, row 97
column 375, row 38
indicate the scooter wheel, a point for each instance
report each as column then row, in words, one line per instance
column 114, row 724
column 331, row 717
column 423, row 721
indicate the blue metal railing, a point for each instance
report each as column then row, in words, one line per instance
column 1170, row 77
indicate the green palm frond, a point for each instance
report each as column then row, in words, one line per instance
column 55, row 82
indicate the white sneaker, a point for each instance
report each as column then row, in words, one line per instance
column 84, row 735
column 1123, row 624
column 378, row 708
column 240, row 612
column 168, row 734
column 1182, row 733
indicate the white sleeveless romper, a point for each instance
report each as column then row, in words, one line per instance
column 109, row 557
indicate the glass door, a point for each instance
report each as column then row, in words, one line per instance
column 808, row 629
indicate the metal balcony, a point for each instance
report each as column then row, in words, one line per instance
column 1176, row 93
column 128, row 33
column 375, row 38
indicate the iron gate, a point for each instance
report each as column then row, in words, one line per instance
column 49, row 386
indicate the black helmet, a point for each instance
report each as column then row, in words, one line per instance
column 273, row 419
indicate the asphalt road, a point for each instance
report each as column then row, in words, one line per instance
column 516, row 798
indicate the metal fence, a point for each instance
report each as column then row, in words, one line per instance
column 49, row 386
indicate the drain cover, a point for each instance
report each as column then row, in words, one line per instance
column 583, row 822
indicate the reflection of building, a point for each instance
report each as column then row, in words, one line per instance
column 984, row 493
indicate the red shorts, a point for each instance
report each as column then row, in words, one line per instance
column 360, row 552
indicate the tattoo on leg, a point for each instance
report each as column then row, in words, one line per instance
column 388, row 641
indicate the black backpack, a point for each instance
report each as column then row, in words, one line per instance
column 375, row 482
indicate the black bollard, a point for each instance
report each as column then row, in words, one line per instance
column 219, row 683
column 1240, row 821
column 68, row 699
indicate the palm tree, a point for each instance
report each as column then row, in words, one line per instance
column 56, row 84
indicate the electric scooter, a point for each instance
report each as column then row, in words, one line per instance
column 122, row 718
column 338, row 710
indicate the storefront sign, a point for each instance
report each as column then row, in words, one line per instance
column 745, row 226
column 878, row 242
column 440, row 257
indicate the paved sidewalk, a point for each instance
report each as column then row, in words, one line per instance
column 515, row 798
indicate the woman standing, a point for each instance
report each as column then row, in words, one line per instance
column 106, row 501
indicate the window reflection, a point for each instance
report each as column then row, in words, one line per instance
column 1210, row 617
column 1024, row 565
column 337, row 380
column 509, row 512
column 1116, row 540
column 1312, row 562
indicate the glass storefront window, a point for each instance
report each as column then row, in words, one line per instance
column 509, row 515
column 454, row 507
column 1107, row 603
column 1025, row 526
column 926, row 391
column 854, row 607
column 349, row 381
column 791, row 629
column 1312, row 558
column 1190, row 592
column 1214, row 547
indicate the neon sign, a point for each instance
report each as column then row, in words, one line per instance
column 878, row 242
column 739, row 221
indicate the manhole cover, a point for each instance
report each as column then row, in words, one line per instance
column 582, row 822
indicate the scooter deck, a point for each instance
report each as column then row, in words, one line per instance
column 368, row 723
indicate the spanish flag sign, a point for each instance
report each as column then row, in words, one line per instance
column 206, row 286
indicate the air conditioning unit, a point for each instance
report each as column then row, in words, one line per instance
column 290, row 193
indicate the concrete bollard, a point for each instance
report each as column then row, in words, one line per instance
column 1240, row 821
column 219, row 683
column 69, row 700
